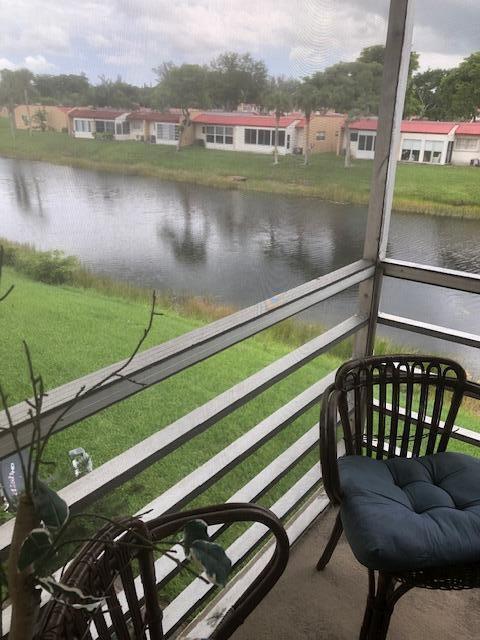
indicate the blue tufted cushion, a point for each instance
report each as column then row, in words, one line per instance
column 407, row 513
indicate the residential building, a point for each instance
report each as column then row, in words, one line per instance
column 466, row 149
column 86, row 122
column 421, row 140
column 56, row 117
column 325, row 132
column 160, row 127
column 246, row 132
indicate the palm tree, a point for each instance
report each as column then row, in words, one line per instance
column 307, row 99
column 279, row 102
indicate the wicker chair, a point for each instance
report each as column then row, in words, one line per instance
column 397, row 415
column 108, row 563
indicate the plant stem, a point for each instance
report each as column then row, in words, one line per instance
column 24, row 596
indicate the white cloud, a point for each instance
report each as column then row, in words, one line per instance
column 37, row 64
column 5, row 63
column 296, row 37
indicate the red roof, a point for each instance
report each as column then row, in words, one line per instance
column 468, row 129
column 98, row 114
column 426, row 126
column 242, row 120
column 154, row 116
column 407, row 126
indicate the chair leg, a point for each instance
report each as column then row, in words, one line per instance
column 382, row 609
column 331, row 544
column 367, row 617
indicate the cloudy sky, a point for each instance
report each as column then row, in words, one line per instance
column 294, row 37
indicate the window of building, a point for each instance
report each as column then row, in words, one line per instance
column 265, row 137
column 167, row 131
column 219, row 135
column 82, row 125
column 366, row 142
column 433, row 151
column 411, row 150
column 118, row 128
column 137, row 125
column 321, row 135
column 281, row 138
column 353, row 136
column 250, row 136
column 466, row 144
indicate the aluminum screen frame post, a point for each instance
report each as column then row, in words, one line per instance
column 394, row 85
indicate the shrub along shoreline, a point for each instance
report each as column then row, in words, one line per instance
column 437, row 190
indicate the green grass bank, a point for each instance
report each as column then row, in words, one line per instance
column 73, row 330
column 440, row 190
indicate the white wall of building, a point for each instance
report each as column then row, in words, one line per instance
column 466, row 148
column 239, row 144
column 423, row 141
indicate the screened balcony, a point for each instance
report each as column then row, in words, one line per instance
column 304, row 603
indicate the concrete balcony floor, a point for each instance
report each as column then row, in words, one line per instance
column 310, row 605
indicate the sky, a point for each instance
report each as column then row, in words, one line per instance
column 293, row 37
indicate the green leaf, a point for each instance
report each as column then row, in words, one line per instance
column 194, row 530
column 71, row 596
column 49, row 507
column 213, row 559
column 35, row 548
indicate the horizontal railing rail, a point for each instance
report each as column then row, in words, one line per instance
column 161, row 362
column 428, row 329
column 437, row 276
column 125, row 466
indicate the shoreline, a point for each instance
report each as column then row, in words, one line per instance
column 207, row 168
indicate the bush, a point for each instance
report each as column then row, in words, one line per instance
column 51, row 267
column 103, row 136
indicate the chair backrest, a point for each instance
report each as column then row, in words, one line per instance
column 105, row 568
column 398, row 405
column 119, row 553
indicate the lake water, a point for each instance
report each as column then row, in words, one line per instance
column 235, row 247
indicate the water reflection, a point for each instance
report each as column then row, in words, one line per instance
column 234, row 246
column 187, row 239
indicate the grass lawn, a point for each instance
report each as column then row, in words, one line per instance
column 72, row 331
column 445, row 190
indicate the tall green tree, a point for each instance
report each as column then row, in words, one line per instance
column 15, row 88
column 185, row 87
column 67, row 89
column 236, row 78
column 279, row 102
column 307, row 98
column 348, row 86
column 426, row 89
column 459, row 90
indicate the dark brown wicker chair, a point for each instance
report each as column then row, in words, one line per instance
column 393, row 407
column 104, row 567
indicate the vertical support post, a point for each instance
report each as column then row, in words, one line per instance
column 394, row 84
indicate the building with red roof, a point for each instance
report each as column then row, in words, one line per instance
column 424, row 141
column 239, row 131
column 466, row 149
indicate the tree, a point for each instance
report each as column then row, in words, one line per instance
column 67, row 89
column 236, row 78
column 426, row 88
column 307, row 99
column 459, row 90
column 40, row 119
column 279, row 102
column 356, row 85
column 185, row 87
column 14, row 87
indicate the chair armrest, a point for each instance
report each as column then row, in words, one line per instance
column 228, row 513
column 328, row 445
column 472, row 389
